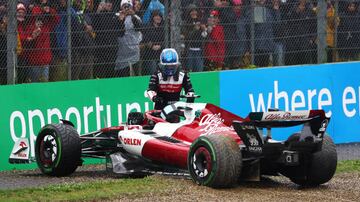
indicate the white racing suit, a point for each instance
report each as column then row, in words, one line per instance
column 166, row 90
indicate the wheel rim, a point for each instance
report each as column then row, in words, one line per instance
column 48, row 150
column 201, row 162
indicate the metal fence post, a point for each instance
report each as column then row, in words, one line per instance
column 321, row 32
column 175, row 22
column 11, row 42
column 252, row 32
column 166, row 23
column 69, row 46
column 336, row 30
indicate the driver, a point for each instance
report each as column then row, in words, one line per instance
column 166, row 84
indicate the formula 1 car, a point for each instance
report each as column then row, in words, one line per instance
column 216, row 147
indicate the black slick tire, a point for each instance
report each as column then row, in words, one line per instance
column 215, row 161
column 58, row 150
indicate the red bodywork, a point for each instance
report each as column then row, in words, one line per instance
column 212, row 120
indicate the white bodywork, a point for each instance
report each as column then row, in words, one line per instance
column 20, row 150
column 134, row 140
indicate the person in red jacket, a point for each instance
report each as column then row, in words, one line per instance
column 215, row 44
column 43, row 19
column 22, row 23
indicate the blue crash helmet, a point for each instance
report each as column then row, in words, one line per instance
column 169, row 61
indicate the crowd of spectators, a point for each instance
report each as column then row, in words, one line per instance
column 119, row 38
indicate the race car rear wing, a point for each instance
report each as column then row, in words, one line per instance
column 314, row 124
column 284, row 118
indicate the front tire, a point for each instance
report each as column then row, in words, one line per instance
column 58, row 150
column 215, row 161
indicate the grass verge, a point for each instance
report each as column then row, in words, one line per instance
column 348, row 166
column 87, row 191
column 113, row 188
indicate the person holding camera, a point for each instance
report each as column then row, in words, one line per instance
column 42, row 22
column 195, row 34
column 128, row 54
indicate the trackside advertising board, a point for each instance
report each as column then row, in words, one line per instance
column 90, row 105
column 332, row 87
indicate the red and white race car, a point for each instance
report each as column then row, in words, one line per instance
column 216, row 147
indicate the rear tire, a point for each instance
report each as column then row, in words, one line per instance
column 58, row 150
column 321, row 166
column 215, row 161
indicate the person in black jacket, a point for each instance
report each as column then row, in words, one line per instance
column 82, row 40
column 195, row 33
column 153, row 42
column 228, row 20
column 349, row 32
column 166, row 84
column 108, row 28
column 302, row 32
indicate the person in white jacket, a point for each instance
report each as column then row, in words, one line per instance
column 128, row 54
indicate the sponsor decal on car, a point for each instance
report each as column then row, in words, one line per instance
column 278, row 116
column 323, row 127
column 212, row 123
column 20, row 152
column 20, row 149
column 254, row 143
column 131, row 141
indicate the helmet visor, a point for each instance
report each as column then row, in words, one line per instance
column 170, row 70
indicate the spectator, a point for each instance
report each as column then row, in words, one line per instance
column 195, row 33
column 26, row 40
column 301, row 43
column 264, row 37
column 205, row 7
column 43, row 20
column 128, row 54
column 107, row 28
column 58, row 72
column 215, row 44
column 90, row 35
column 243, row 34
column 3, row 44
column 228, row 19
column 349, row 32
column 279, row 28
column 332, row 23
column 82, row 41
column 151, row 5
column 153, row 42
column 138, row 8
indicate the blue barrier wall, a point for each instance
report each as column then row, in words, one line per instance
column 332, row 87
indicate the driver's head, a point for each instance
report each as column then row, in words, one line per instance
column 173, row 118
column 169, row 61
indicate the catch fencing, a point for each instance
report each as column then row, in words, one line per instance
column 77, row 39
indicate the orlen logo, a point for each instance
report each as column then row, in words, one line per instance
column 130, row 141
column 22, row 144
column 20, row 152
column 284, row 116
column 211, row 123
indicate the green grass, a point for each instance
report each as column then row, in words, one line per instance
column 96, row 190
column 348, row 166
column 112, row 188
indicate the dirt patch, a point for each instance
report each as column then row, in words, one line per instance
column 343, row 187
